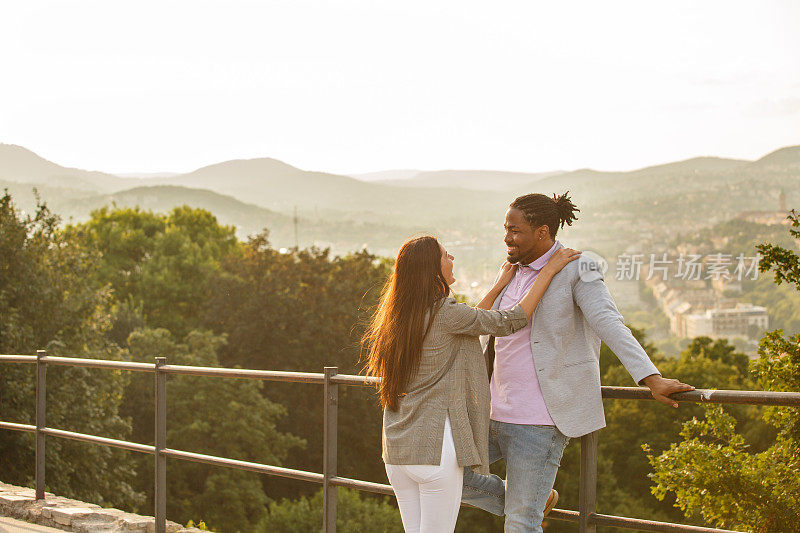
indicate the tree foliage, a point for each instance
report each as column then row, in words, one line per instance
column 784, row 263
column 47, row 300
column 355, row 514
column 158, row 264
column 714, row 471
column 226, row 417
column 303, row 310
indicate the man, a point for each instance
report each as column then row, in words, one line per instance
column 545, row 382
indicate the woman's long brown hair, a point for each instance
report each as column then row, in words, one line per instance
column 398, row 327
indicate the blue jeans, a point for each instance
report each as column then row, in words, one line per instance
column 532, row 455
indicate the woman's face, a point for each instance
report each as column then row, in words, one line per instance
column 447, row 266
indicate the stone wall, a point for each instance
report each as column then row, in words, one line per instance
column 73, row 515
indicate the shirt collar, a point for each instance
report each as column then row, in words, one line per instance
column 539, row 263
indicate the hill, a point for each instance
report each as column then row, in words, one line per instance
column 162, row 198
column 272, row 183
column 387, row 175
column 21, row 165
column 481, row 180
column 788, row 156
column 278, row 186
column 700, row 176
column 339, row 234
column 694, row 165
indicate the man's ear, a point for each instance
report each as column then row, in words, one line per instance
column 543, row 231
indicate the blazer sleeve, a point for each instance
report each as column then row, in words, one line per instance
column 598, row 307
column 462, row 319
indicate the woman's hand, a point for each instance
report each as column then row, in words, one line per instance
column 503, row 279
column 560, row 258
column 505, row 275
column 557, row 261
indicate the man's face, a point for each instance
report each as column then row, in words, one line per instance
column 523, row 241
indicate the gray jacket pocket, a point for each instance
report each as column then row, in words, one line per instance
column 591, row 359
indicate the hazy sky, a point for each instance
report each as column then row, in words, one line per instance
column 358, row 86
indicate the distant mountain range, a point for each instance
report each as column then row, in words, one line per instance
column 378, row 209
column 21, row 165
column 265, row 182
column 480, row 180
column 387, row 175
column 699, row 173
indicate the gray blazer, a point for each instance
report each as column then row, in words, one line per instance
column 574, row 315
column 450, row 380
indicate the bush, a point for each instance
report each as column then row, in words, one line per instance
column 355, row 514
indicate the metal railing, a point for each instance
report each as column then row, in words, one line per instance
column 586, row 516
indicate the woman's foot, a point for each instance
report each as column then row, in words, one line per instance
column 551, row 502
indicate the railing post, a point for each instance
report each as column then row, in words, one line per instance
column 588, row 483
column 329, row 451
column 41, row 410
column 160, row 444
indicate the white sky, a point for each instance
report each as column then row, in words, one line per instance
column 358, row 86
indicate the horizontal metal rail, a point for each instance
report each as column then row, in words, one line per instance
column 709, row 396
column 643, row 393
column 17, row 358
column 650, row 525
column 621, row 393
column 17, row 427
column 266, row 375
column 358, row 381
column 125, row 445
column 244, row 465
column 366, row 486
column 331, row 379
column 565, row 515
column 98, row 363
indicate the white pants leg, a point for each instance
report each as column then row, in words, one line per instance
column 429, row 496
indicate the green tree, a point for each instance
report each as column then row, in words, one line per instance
column 48, row 301
column 355, row 514
column 303, row 310
column 157, row 265
column 714, row 473
column 225, row 417
column 125, row 239
column 784, row 263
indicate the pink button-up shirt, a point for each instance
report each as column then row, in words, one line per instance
column 516, row 394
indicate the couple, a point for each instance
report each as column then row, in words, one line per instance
column 445, row 421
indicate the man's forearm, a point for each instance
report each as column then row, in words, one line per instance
column 605, row 319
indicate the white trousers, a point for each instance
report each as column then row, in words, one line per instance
column 429, row 496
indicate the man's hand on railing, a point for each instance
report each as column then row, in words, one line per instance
column 661, row 387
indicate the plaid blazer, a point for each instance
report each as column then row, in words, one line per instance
column 451, row 379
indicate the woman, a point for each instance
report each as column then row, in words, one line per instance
column 434, row 388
